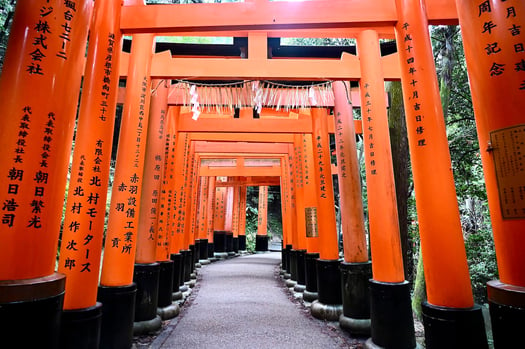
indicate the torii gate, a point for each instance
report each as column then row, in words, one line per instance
column 40, row 128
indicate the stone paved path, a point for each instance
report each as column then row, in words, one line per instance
column 241, row 303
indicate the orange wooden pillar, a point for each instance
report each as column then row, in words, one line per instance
column 202, row 221
column 117, row 290
column 288, row 235
column 83, row 231
column 329, row 303
column 261, row 239
column 228, row 218
column 450, row 308
column 356, row 269
column 219, row 234
column 310, row 215
column 242, row 218
column 395, row 312
column 210, row 214
column 299, row 216
column 148, row 274
column 236, row 215
column 39, row 89
column 191, row 208
column 493, row 39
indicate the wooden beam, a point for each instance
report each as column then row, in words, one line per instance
column 241, row 147
column 239, row 171
column 265, row 15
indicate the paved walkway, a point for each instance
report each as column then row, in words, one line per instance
column 241, row 303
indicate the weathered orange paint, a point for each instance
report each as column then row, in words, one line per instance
column 181, row 167
column 84, row 228
column 498, row 100
column 328, row 247
column 39, row 92
column 299, row 192
column 220, row 212
column 310, row 186
column 350, row 197
column 242, row 211
column 121, row 236
column 202, row 217
column 385, row 241
column 191, row 197
column 236, row 207
column 210, row 209
column 148, row 233
column 436, row 202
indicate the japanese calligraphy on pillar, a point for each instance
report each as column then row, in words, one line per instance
column 140, row 124
column 510, row 24
column 41, row 32
column 65, row 32
column 306, row 172
column 369, row 125
column 321, row 165
column 415, row 101
column 509, row 159
column 299, row 176
column 310, row 214
column 106, row 79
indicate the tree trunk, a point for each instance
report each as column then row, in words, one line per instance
column 420, row 293
column 400, row 160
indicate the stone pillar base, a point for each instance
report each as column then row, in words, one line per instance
column 175, row 296
column 81, row 328
column 310, row 296
column 453, row 327
column 299, row 288
column 147, row 326
column 507, row 313
column 146, row 277
column 118, row 311
column 329, row 312
column 360, row 327
column 31, row 311
column 310, row 272
column 392, row 324
column 169, row 312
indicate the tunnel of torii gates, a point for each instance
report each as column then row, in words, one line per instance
column 190, row 143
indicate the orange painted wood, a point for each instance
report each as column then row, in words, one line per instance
column 271, row 15
column 328, row 247
column 310, row 186
column 350, row 197
column 262, row 211
column 181, row 165
column 240, row 147
column 288, row 237
column 220, row 208
column 39, row 89
column 121, row 236
column 385, row 241
column 210, row 208
column 83, row 233
column 498, row 101
column 298, row 160
column 148, row 235
column 242, row 210
column 436, row 202
column 192, row 198
column 228, row 212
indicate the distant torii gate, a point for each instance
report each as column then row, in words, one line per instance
column 41, row 81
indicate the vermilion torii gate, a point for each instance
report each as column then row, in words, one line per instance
column 44, row 58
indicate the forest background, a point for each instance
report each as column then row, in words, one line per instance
column 464, row 150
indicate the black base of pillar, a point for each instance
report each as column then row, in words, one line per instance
column 261, row 243
column 203, row 250
column 118, row 311
column 219, row 240
column 80, row 328
column 194, row 255
column 146, row 277
column 31, row 311
column 293, row 264
column 310, row 264
column 165, row 284
column 288, row 259
column 453, row 328
column 356, row 297
column 242, row 242
column 187, row 265
column 284, row 260
column 329, row 281
column 301, row 277
column 178, row 262
column 196, row 251
column 507, row 313
column 211, row 249
column 236, row 244
column 392, row 324
column 229, row 241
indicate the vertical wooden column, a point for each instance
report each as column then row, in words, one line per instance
column 211, row 215
column 298, row 215
column 236, row 214
column 81, row 247
column 191, row 207
column 228, row 217
column 202, row 219
column 329, row 304
column 261, row 239
column 394, row 312
column 117, row 290
column 310, row 213
column 242, row 218
column 39, row 89
column 219, row 234
column 181, row 158
column 292, row 216
column 438, row 213
column 147, row 271
column 356, row 269
column 493, row 39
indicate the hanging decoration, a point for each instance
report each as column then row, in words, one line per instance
column 225, row 98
